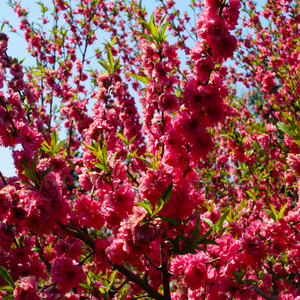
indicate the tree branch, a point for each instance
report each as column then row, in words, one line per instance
column 258, row 291
column 76, row 232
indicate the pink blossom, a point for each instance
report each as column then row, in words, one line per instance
column 5, row 201
column 254, row 248
column 294, row 162
column 203, row 67
column 123, row 198
column 30, row 138
column 26, row 288
column 264, row 140
column 66, row 273
column 228, row 247
column 195, row 270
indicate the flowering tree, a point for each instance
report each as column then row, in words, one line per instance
column 196, row 201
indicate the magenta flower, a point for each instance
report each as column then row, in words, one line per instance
column 66, row 273
column 195, row 271
column 203, row 67
column 29, row 137
column 26, row 289
column 160, row 72
column 293, row 161
column 253, row 248
column 5, row 201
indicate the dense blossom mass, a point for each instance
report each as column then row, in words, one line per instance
column 197, row 198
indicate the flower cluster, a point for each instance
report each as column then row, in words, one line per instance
column 198, row 199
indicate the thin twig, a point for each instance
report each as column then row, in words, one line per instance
column 152, row 264
column 12, row 234
column 258, row 291
column 74, row 231
column 165, row 275
column 3, row 179
column 87, row 257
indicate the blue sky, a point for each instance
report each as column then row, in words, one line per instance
column 17, row 48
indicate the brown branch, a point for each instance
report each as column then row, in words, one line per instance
column 165, row 275
column 86, row 258
column 76, row 232
column 12, row 234
column 3, row 179
column 153, row 264
column 131, row 176
column 258, row 291
column 139, row 281
column 42, row 257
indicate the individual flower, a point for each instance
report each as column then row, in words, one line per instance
column 253, row 248
column 293, row 161
column 67, row 273
column 26, row 289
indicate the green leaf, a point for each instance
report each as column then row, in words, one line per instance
column 131, row 140
column 249, row 281
column 163, row 198
column 153, row 27
column 48, row 170
column 166, row 194
column 92, row 149
column 168, row 219
column 122, row 137
column 6, row 288
column 113, row 40
column 220, row 222
column 95, row 145
column 273, row 210
column 146, row 206
column 29, row 174
column 204, row 236
column 146, row 25
column 162, row 30
column 148, row 202
column 6, row 276
column 53, row 141
column 104, row 153
column 237, row 276
column 285, row 128
column 85, row 286
column 46, row 147
column 58, row 147
column 3, row 24
column 143, row 79
column 145, row 161
column 99, row 165
column 9, row 296
column 34, row 164
column 110, row 57
column 111, row 280
column 196, row 232
column 250, row 194
column 26, row 182
column 145, row 36
column 175, row 244
column 208, row 222
column 208, row 242
column 158, row 206
column 24, row 163
column 280, row 215
column 8, row 107
column 270, row 213
column 105, row 65
column 117, row 65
